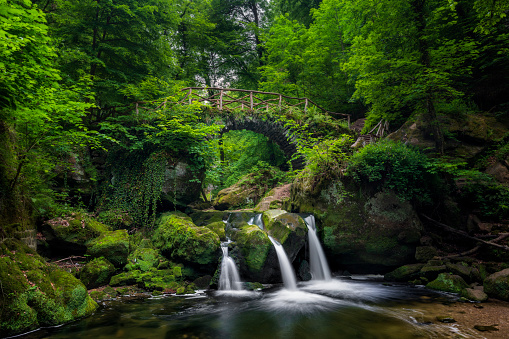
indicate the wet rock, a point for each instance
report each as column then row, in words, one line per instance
column 304, row 271
column 446, row 319
column 180, row 239
column 484, row 328
column 97, row 273
column 448, row 283
column 432, row 272
column 404, row 273
column 462, row 270
column 497, row 285
column 203, row 282
column 474, row 294
column 114, row 246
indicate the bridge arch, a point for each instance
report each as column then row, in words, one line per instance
column 273, row 130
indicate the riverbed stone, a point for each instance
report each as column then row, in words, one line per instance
column 497, row 285
column 114, row 246
column 448, row 283
column 474, row 294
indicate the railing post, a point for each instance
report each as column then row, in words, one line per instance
column 251, row 99
column 348, row 121
column 306, row 105
column 137, row 112
column 190, row 93
column 221, row 100
column 280, row 100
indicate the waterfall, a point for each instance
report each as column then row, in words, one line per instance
column 318, row 262
column 257, row 220
column 229, row 280
column 286, row 267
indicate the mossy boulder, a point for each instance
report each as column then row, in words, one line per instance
column 236, row 196
column 251, row 250
column 71, row 234
column 361, row 234
column 97, row 273
column 289, row 229
column 35, row 294
column 448, row 283
column 180, row 239
column 404, row 273
column 218, row 228
column 114, row 246
column 144, row 259
column 474, row 294
column 497, row 285
column 168, row 280
column 205, row 218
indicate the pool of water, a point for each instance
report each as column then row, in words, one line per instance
column 335, row 309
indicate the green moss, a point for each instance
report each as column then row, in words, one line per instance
column 77, row 228
column 205, row 218
column 97, row 273
column 497, row 285
column 114, row 246
column 218, row 228
column 404, row 273
column 144, row 259
column 448, row 283
column 255, row 246
column 179, row 238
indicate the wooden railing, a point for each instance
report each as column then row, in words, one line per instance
column 222, row 97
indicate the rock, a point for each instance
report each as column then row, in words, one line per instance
column 404, row 273
column 144, row 259
column 208, row 217
column 218, row 228
column 448, row 283
column 180, row 239
column 35, row 294
column 97, row 273
column 360, row 235
column 289, row 229
column 304, row 271
column 497, row 285
column 180, row 186
column 71, row 234
column 167, row 280
column 474, row 294
column 114, row 246
column 446, row 319
column 432, row 272
column 203, row 282
column 425, row 253
column 484, row 328
column 463, row 271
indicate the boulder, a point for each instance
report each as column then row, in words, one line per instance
column 35, row 294
column 404, row 273
column 425, row 253
column 289, row 229
column 474, row 294
column 71, row 234
column 497, row 285
column 462, row 270
column 180, row 239
column 432, row 272
column 180, row 186
column 448, row 283
column 114, row 246
column 97, row 273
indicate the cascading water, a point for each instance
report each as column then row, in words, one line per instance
column 286, row 267
column 257, row 220
column 318, row 262
column 229, row 280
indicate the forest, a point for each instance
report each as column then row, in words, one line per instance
column 93, row 125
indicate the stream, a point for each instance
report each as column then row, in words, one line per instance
column 339, row 308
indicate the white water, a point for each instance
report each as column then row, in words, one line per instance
column 289, row 279
column 257, row 220
column 318, row 262
column 229, row 280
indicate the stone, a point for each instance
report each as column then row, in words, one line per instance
column 114, row 246
column 497, row 285
column 464, row 271
column 474, row 294
column 97, row 273
column 485, row 328
column 180, row 239
column 180, row 185
column 446, row 319
column 425, row 253
column 448, row 283
column 432, row 272
column 404, row 273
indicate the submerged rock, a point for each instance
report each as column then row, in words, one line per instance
column 35, row 294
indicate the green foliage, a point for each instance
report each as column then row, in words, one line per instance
column 390, row 165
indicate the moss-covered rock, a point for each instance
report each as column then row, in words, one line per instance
column 205, row 218
column 448, row 283
column 474, row 294
column 218, row 228
column 180, row 239
column 97, row 273
column 168, row 280
column 289, row 229
column 404, row 273
column 497, row 285
column 114, row 246
column 144, row 259
column 36, row 294
column 70, row 235
column 251, row 250
column 431, row 272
